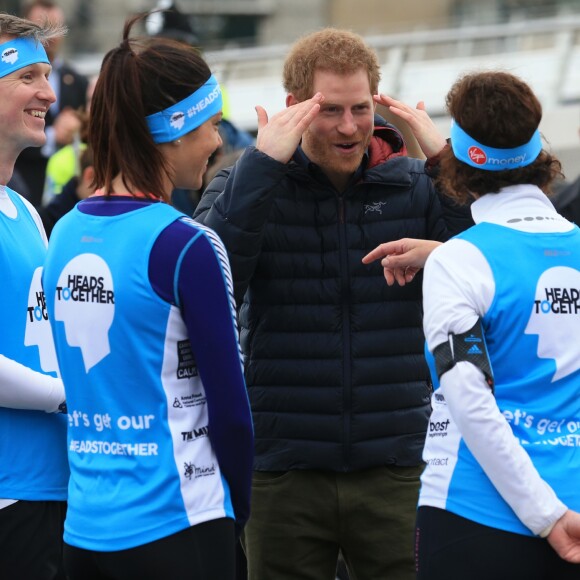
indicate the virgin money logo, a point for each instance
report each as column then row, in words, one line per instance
column 477, row 155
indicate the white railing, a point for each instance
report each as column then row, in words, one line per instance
column 422, row 65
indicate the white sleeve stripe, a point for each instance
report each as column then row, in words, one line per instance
column 222, row 255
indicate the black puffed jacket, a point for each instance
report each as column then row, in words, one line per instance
column 333, row 356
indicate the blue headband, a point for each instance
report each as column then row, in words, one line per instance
column 468, row 150
column 187, row 115
column 20, row 52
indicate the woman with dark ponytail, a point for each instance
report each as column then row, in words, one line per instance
column 140, row 300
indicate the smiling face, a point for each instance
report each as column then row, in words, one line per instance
column 339, row 135
column 189, row 155
column 25, row 96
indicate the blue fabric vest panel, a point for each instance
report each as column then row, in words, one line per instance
column 528, row 328
column 130, row 391
column 32, row 443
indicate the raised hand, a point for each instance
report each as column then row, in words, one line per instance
column 422, row 126
column 280, row 135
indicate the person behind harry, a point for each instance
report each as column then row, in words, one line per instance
column 566, row 198
column 34, row 470
column 337, row 381
column 77, row 188
column 62, row 121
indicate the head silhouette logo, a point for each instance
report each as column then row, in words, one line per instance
column 177, row 120
column 555, row 318
column 10, row 55
column 477, row 155
column 38, row 331
column 85, row 303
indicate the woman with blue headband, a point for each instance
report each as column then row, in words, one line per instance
column 500, row 491
column 140, row 299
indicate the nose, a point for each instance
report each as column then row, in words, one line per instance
column 347, row 125
column 45, row 91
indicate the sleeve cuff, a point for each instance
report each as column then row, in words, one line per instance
column 432, row 163
column 546, row 531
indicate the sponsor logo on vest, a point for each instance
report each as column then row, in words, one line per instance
column 38, row 312
column 191, row 400
column 85, row 289
column 438, row 428
column 559, row 301
column 195, row 471
column 186, row 367
column 195, row 434
column 437, row 461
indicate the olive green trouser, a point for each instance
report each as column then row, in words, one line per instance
column 301, row 519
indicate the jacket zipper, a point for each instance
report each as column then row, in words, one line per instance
column 345, row 305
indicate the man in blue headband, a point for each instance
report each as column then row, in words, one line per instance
column 34, row 472
column 62, row 120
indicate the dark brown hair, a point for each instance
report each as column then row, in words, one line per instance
column 330, row 49
column 140, row 77
column 499, row 110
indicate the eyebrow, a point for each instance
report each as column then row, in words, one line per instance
column 331, row 104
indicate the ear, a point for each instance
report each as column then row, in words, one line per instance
column 291, row 100
column 84, row 188
column 88, row 175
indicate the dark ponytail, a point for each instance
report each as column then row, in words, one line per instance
column 140, row 77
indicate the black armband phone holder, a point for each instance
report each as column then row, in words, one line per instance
column 469, row 347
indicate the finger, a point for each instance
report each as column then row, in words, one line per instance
column 400, row 276
column 262, row 116
column 386, row 100
column 383, row 251
column 421, row 105
column 305, row 111
column 375, row 254
column 297, row 117
column 410, row 274
column 403, row 260
column 389, row 276
column 404, row 114
column 304, row 122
